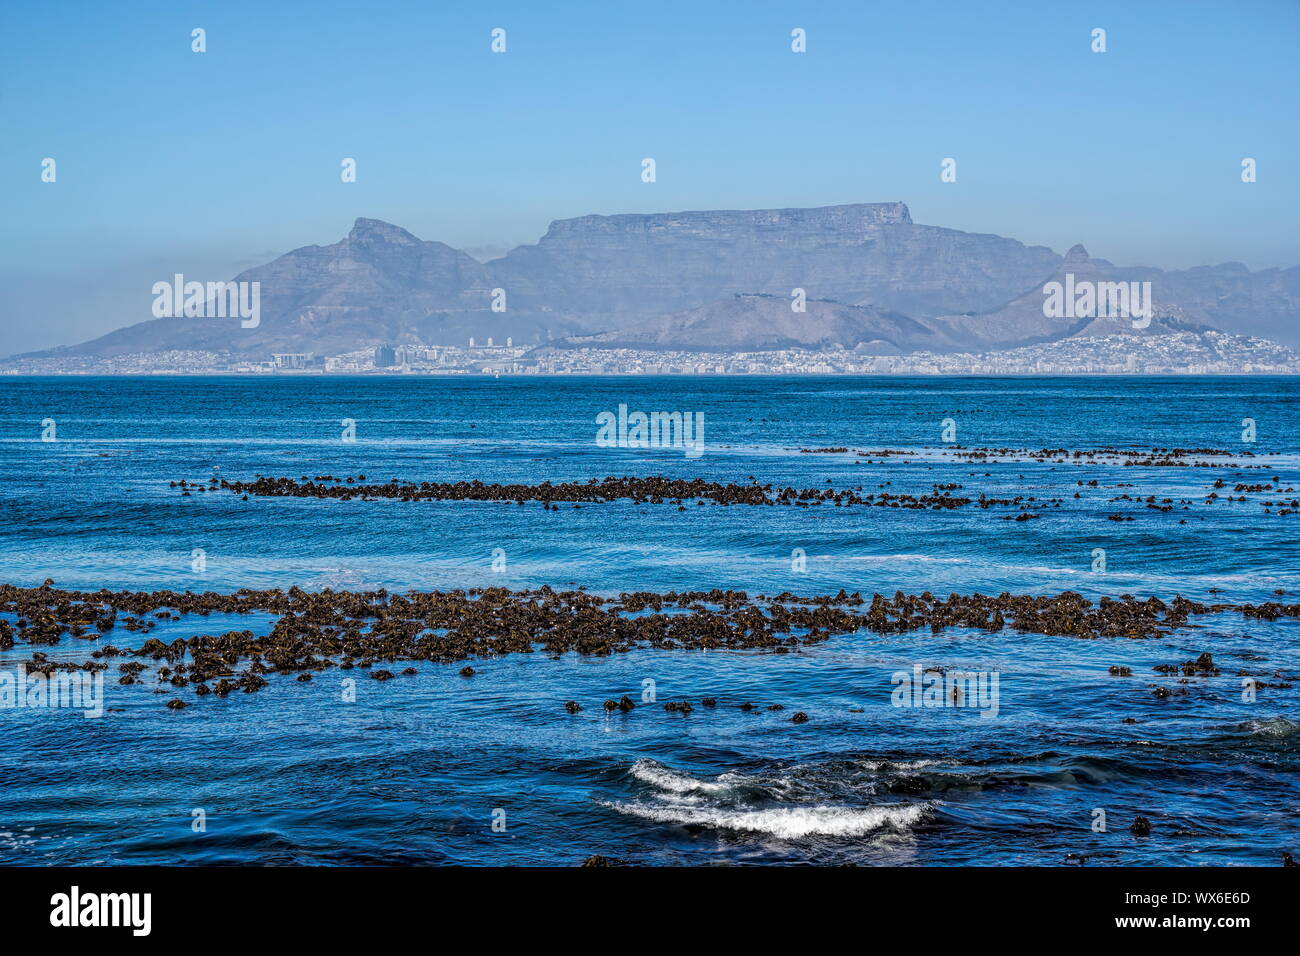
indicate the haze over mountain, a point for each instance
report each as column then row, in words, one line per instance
column 765, row 322
column 632, row 266
column 700, row 280
column 1022, row 321
column 378, row 284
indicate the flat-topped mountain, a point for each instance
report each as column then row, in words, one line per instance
column 695, row 280
column 609, row 271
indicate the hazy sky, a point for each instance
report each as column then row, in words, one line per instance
column 174, row 161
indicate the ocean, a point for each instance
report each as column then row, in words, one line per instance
column 440, row 768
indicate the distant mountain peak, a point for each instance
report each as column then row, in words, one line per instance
column 367, row 231
column 1077, row 254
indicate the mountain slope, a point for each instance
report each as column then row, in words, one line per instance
column 1022, row 321
column 763, row 322
column 378, row 284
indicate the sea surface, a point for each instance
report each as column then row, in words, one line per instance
column 418, row 769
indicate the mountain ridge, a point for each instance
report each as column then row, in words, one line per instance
column 866, row 268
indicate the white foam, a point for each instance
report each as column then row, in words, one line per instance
column 898, row 764
column 785, row 823
column 1272, row 727
column 665, row 778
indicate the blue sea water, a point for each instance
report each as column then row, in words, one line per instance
column 418, row 769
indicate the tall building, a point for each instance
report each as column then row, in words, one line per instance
column 385, row 356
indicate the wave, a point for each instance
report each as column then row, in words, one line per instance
column 731, row 785
column 787, row 823
column 798, row 802
column 673, row 781
column 1272, row 727
column 893, row 765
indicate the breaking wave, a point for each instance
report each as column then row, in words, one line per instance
column 787, row 823
column 800, row 801
column 665, row 778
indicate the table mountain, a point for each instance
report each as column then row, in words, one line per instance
column 610, row 271
column 869, row 273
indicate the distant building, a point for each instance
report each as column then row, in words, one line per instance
column 291, row 359
column 385, row 356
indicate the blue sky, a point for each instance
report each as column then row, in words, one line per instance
column 172, row 161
